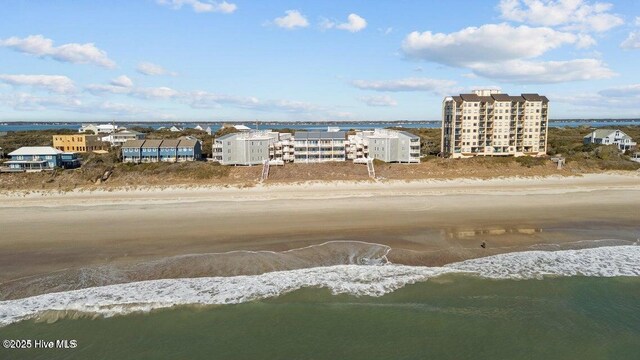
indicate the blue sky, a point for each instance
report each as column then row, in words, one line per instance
column 243, row 60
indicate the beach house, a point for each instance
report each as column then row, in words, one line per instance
column 39, row 158
column 610, row 137
column 121, row 137
column 169, row 150
column 78, row 143
column 150, row 151
column 132, row 151
column 100, row 128
column 391, row 146
column 489, row 123
column 189, row 149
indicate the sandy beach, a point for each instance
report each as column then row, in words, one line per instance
column 424, row 222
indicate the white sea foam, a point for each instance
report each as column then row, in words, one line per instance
column 358, row 280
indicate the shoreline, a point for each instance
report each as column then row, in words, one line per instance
column 337, row 189
column 429, row 223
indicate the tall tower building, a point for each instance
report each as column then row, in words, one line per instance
column 489, row 123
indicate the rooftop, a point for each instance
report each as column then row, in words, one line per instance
column 317, row 135
column 35, row 150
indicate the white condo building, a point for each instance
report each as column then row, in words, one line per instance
column 386, row 145
column 254, row 147
column 488, row 123
column 319, row 146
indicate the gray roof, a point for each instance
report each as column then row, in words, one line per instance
column 318, row 135
column 133, row 144
column 152, row 144
column 224, row 137
column 501, row 97
column 602, row 133
column 170, row 143
column 35, row 150
column 534, row 97
column 185, row 142
column 410, row 135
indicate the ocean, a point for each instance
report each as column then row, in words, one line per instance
column 566, row 304
column 9, row 126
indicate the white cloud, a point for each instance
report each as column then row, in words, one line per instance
column 577, row 15
column 292, row 20
column 632, row 41
column 506, row 53
column 52, row 83
column 487, row 43
column 637, row 22
column 205, row 100
column 40, row 46
column 151, row 69
column 354, row 23
column 408, row 84
column 69, row 103
column 162, row 92
column 29, row 102
column 201, row 6
column 378, row 100
column 622, row 91
column 122, row 81
column 539, row 72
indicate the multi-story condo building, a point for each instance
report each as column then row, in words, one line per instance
column 252, row 148
column 386, row 145
column 319, row 146
column 488, row 123
column 78, row 143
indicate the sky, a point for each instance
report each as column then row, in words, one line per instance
column 343, row 60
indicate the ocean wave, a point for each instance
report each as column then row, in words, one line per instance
column 357, row 280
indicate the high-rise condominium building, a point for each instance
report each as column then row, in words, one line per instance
column 489, row 123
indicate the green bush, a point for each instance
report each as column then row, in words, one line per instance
column 530, row 161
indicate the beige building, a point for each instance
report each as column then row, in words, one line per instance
column 489, row 123
column 78, row 143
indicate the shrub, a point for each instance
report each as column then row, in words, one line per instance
column 530, row 161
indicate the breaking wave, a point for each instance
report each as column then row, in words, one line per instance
column 358, row 280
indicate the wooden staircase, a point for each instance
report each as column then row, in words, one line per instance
column 371, row 169
column 265, row 171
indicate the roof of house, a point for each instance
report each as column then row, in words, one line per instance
column 600, row 133
column 190, row 142
column 154, row 144
column 35, row 150
column 410, row 135
column 127, row 132
column 306, row 135
column 170, row 143
column 224, row 137
column 133, row 144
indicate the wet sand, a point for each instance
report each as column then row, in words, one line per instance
column 426, row 223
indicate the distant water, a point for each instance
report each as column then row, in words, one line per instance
column 304, row 126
